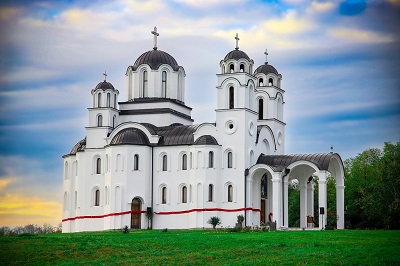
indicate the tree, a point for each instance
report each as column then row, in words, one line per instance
column 214, row 221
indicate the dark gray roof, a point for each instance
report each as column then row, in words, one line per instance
column 177, row 135
column 131, row 136
column 280, row 162
column 80, row 146
column 206, row 140
column 155, row 58
column 236, row 54
column 104, row 85
column 266, row 69
column 155, row 100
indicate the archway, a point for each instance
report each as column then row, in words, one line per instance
column 136, row 215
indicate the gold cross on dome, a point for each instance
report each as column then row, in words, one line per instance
column 237, row 41
column 155, row 33
column 266, row 55
column 105, row 75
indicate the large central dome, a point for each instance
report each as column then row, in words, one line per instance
column 155, row 58
column 236, row 54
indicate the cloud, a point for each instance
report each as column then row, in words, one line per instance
column 348, row 34
column 9, row 13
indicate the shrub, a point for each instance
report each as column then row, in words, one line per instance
column 125, row 230
column 214, row 221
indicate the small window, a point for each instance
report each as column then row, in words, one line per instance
column 108, row 99
column 164, row 85
column 260, row 109
column 97, row 198
column 145, row 84
column 231, row 68
column 99, row 100
column 98, row 166
column 211, row 159
column 164, row 195
column 230, row 159
column 231, row 98
column 184, row 194
column 230, row 193
column 99, row 120
column 164, row 163
column 270, row 82
column 114, row 118
column 115, row 101
column 260, row 82
column 136, row 162
column 210, row 192
column 184, row 162
column 241, row 68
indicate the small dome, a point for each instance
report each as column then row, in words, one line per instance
column 80, row 146
column 236, row 54
column 155, row 58
column 104, row 85
column 130, row 136
column 206, row 140
column 266, row 69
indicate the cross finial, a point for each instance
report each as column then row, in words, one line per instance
column 155, row 33
column 331, row 148
column 266, row 56
column 105, row 75
column 237, row 41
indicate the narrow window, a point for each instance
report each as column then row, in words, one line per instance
column 231, row 68
column 230, row 193
column 229, row 159
column 98, row 166
column 191, row 161
column 99, row 120
column 210, row 159
column 241, row 68
column 136, row 162
column 145, row 84
column 164, row 85
column 164, row 163
column 97, row 198
column 270, row 82
column 108, row 99
column 164, row 195
column 184, row 162
column 99, row 100
column 184, row 194
column 231, row 98
column 260, row 109
column 260, row 82
column 210, row 192
column 114, row 118
column 115, row 101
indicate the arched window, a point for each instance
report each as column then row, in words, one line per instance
column 136, row 162
column 270, row 82
column 231, row 98
column 164, row 163
column 114, row 118
column 230, row 193
column 260, row 109
column 230, row 159
column 184, row 162
column 98, row 166
column 96, row 197
column 279, row 111
column 184, row 194
column 115, row 101
column 99, row 120
column 241, row 69
column 99, row 100
column 210, row 192
column 231, row 68
column 210, row 159
column 108, row 99
column 164, row 85
column 144, row 84
column 260, row 82
column 164, row 195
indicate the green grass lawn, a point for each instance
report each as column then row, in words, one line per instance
column 347, row 247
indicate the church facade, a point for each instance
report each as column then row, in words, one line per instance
column 145, row 156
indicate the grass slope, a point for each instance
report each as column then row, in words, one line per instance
column 205, row 247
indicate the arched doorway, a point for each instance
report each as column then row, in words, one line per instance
column 136, row 215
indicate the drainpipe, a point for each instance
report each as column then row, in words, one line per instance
column 152, row 188
column 246, row 173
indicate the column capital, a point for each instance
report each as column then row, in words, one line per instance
column 322, row 182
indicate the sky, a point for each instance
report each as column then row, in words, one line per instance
column 339, row 61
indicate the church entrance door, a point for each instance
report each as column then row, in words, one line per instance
column 136, row 213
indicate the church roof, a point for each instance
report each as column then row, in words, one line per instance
column 80, row 146
column 104, row 85
column 131, row 136
column 279, row 162
column 155, row 58
column 206, row 140
column 236, row 54
column 266, row 69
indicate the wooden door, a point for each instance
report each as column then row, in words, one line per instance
column 136, row 213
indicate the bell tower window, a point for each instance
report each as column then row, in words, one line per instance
column 99, row 100
column 231, row 98
column 260, row 109
column 99, row 120
column 270, row 82
column 164, row 85
column 108, row 100
column 241, row 68
column 145, row 84
column 260, row 82
column 231, row 68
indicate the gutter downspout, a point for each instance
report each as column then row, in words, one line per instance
column 246, row 173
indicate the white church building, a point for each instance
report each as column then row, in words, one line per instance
column 145, row 154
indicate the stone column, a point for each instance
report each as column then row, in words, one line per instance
column 249, row 201
column 303, row 203
column 310, row 199
column 285, row 202
column 340, row 206
column 322, row 199
column 276, row 199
